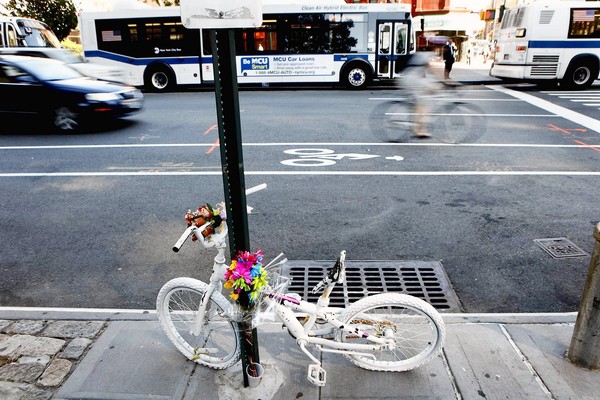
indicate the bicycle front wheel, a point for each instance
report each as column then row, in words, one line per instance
column 416, row 327
column 217, row 344
column 392, row 121
column 457, row 122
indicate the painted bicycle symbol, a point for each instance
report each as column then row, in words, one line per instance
column 325, row 157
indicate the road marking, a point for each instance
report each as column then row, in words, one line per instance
column 216, row 143
column 565, row 113
column 321, row 157
column 454, row 114
column 290, row 144
column 439, row 99
column 290, row 173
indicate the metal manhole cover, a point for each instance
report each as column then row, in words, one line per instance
column 422, row 279
column 560, row 247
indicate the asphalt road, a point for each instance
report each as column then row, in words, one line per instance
column 88, row 220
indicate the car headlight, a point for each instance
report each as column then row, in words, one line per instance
column 102, row 96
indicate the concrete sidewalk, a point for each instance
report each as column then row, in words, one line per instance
column 468, row 74
column 124, row 354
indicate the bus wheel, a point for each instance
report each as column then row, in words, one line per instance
column 580, row 75
column 356, row 77
column 159, row 79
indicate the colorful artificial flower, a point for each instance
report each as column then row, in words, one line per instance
column 206, row 213
column 246, row 276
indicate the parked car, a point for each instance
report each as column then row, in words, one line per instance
column 50, row 89
column 71, row 58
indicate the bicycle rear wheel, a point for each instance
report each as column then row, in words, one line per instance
column 457, row 122
column 392, row 121
column 417, row 328
column 217, row 346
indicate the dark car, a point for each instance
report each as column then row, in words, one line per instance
column 50, row 89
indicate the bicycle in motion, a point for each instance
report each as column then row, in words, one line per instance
column 383, row 332
column 442, row 115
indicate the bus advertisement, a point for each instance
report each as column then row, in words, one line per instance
column 339, row 43
column 551, row 42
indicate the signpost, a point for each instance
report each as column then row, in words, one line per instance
column 221, row 17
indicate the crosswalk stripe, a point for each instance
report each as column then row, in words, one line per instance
column 589, row 98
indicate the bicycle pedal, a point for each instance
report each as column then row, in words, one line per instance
column 317, row 375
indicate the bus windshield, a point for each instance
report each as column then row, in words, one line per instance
column 37, row 34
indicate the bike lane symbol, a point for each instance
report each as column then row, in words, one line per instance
column 325, row 157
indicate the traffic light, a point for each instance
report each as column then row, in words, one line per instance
column 487, row 15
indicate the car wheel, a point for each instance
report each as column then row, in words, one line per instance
column 65, row 119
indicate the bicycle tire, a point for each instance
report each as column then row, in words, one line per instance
column 457, row 122
column 392, row 121
column 177, row 304
column 418, row 329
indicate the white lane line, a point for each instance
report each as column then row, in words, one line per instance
column 440, row 99
column 565, row 113
column 294, row 144
column 290, row 173
column 481, row 115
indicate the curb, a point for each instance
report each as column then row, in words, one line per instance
column 109, row 314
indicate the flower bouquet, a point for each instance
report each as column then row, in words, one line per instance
column 206, row 213
column 246, row 276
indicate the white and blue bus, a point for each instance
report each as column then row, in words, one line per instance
column 550, row 41
column 350, row 44
column 26, row 32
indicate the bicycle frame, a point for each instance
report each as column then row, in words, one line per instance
column 288, row 309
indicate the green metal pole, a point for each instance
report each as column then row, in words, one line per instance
column 232, row 164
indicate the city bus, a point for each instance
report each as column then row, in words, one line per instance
column 26, row 32
column 550, row 41
column 348, row 44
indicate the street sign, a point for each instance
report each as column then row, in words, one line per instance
column 218, row 14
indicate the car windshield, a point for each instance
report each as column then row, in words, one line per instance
column 38, row 34
column 50, row 70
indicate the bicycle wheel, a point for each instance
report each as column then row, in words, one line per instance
column 457, row 122
column 417, row 328
column 217, row 346
column 392, row 121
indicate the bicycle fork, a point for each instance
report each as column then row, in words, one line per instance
column 199, row 320
column 216, row 277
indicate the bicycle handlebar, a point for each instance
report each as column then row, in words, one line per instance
column 204, row 241
column 184, row 236
column 216, row 237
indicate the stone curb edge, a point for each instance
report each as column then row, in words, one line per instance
column 109, row 314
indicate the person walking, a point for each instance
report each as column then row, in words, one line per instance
column 448, row 58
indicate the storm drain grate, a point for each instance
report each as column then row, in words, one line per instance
column 422, row 279
column 560, row 247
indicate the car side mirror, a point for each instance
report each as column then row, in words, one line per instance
column 26, row 79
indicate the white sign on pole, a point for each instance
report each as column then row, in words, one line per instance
column 217, row 14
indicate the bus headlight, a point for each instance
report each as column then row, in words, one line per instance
column 520, row 32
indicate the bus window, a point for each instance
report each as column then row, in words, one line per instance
column 385, row 41
column 11, row 36
column 1, row 34
column 135, row 38
column 401, row 38
column 585, row 23
column 384, row 38
column 265, row 37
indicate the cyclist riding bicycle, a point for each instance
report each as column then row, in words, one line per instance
column 418, row 81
